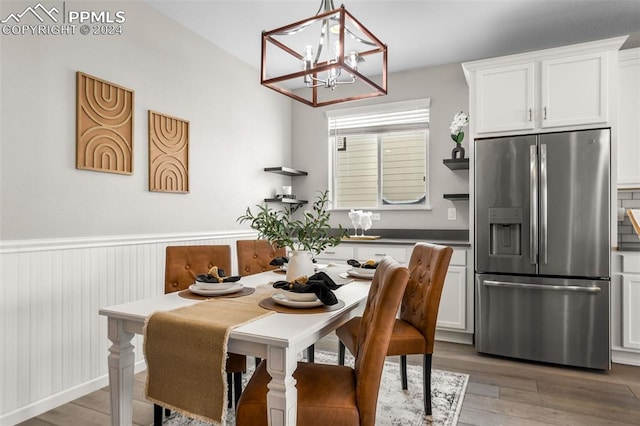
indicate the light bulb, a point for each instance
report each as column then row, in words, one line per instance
column 307, row 62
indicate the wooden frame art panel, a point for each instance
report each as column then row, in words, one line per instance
column 104, row 125
column 168, row 153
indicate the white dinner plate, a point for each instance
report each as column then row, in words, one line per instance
column 366, row 274
column 280, row 299
column 197, row 290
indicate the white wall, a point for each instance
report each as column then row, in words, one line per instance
column 237, row 127
column 446, row 87
column 74, row 241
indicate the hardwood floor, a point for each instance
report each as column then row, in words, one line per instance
column 500, row 392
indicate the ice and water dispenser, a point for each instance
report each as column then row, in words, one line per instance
column 505, row 231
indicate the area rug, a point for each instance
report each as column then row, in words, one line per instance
column 395, row 406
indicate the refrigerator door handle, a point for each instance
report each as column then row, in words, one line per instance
column 543, row 204
column 533, row 204
column 569, row 288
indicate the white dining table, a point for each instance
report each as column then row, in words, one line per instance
column 278, row 338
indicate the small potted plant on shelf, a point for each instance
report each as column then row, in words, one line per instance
column 460, row 120
column 304, row 237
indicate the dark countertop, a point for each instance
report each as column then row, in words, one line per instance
column 449, row 237
column 627, row 249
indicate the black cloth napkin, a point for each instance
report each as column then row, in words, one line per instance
column 366, row 265
column 319, row 283
column 209, row 278
column 281, row 260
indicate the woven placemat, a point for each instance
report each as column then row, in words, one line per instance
column 269, row 303
column 189, row 295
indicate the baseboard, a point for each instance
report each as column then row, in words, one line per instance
column 35, row 409
column 622, row 356
column 454, row 337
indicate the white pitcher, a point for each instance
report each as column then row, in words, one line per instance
column 300, row 264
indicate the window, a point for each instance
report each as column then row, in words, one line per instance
column 379, row 155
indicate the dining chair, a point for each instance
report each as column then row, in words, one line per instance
column 254, row 256
column 414, row 330
column 182, row 265
column 337, row 395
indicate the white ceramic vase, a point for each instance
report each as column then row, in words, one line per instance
column 300, row 264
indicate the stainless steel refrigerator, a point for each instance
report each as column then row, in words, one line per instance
column 542, row 241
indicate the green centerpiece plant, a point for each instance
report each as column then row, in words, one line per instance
column 311, row 232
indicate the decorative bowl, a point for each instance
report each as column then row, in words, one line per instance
column 215, row 286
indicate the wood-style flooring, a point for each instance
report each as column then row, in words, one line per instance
column 500, row 392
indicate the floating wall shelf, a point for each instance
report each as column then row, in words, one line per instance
column 457, row 164
column 287, row 171
column 455, row 197
column 293, row 203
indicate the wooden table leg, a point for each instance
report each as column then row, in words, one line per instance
column 282, row 397
column 121, row 366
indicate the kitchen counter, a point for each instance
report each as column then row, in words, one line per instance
column 448, row 237
column 626, row 249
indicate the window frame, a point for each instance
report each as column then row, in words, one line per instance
column 394, row 107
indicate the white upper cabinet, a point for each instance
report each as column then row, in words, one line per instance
column 548, row 89
column 629, row 120
column 575, row 90
column 505, row 98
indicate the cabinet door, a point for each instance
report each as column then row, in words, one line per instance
column 377, row 252
column 505, row 98
column 629, row 120
column 575, row 90
column 452, row 311
column 341, row 252
column 630, row 311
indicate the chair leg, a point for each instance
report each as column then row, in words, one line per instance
column 340, row 353
column 157, row 415
column 237, row 387
column 403, row 372
column 311, row 353
column 426, row 374
column 229, row 390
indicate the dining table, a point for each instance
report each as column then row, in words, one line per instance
column 278, row 338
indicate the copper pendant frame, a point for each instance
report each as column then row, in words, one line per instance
column 322, row 91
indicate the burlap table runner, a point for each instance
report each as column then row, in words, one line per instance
column 186, row 349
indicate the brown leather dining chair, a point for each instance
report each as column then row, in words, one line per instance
column 337, row 395
column 414, row 331
column 255, row 256
column 182, row 265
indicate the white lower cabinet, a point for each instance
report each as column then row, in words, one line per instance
column 453, row 302
column 625, row 315
column 339, row 253
column 378, row 251
column 454, row 314
column 631, row 302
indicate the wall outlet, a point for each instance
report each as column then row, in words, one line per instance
column 451, row 213
column 375, row 216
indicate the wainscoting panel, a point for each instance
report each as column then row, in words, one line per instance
column 54, row 344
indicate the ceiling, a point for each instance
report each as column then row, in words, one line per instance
column 420, row 33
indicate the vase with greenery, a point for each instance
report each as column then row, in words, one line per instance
column 311, row 233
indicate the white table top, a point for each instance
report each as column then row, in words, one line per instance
column 288, row 329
